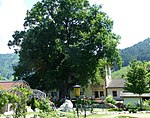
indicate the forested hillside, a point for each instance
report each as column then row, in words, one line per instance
column 140, row 51
column 7, row 61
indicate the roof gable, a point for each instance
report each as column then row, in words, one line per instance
column 116, row 83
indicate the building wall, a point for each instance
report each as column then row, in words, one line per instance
column 98, row 90
column 91, row 90
column 88, row 91
column 132, row 101
column 118, row 90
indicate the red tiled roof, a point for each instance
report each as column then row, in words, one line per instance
column 6, row 85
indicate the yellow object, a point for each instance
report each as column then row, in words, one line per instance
column 77, row 92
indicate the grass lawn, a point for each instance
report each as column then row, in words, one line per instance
column 96, row 114
column 136, row 115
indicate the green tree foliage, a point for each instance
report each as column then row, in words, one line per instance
column 3, row 99
column 34, row 103
column 62, row 44
column 1, row 78
column 100, row 72
column 45, row 107
column 147, row 64
column 136, row 78
column 20, row 97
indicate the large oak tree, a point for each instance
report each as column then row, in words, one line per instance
column 63, row 43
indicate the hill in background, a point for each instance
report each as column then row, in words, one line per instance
column 119, row 73
column 7, row 61
column 140, row 51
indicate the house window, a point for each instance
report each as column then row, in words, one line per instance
column 96, row 94
column 101, row 93
column 114, row 93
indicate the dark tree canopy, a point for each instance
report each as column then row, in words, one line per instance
column 63, row 43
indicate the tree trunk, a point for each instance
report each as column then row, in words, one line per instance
column 64, row 91
column 140, row 101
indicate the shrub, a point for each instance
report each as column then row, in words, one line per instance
column 109, row 99
column 129, row 106
column 44, row 105
column 146, row 105
column 132, row 108
column 148, row 102
column 3, row 99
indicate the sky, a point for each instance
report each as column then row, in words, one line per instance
column 131, row 19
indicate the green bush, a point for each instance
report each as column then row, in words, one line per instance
column 129, row 106
column 3, row 99
column 44, row 105
column 146, row 105
column 132, row 108
column 148, row 102
column 109, row 99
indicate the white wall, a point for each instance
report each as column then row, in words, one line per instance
column 119, row 90
column 132, row 101
column 88, row 91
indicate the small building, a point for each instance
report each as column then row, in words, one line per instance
column 115, row 87
column 108, row 86
column 133, row 99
